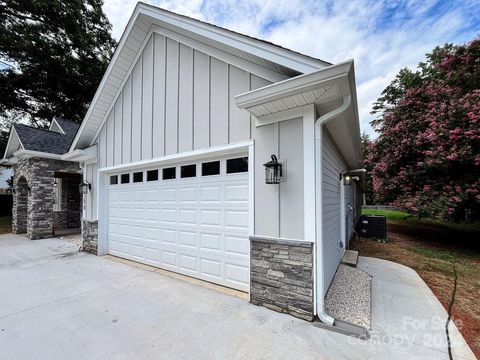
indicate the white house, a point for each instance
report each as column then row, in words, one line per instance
column 173, row 149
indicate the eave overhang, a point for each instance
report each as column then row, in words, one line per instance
column 145, row 20
column 331, row 90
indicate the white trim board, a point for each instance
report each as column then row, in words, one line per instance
column 234, row 148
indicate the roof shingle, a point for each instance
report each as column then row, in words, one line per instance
column 36, row 139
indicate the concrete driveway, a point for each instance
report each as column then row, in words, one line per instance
column 56, row 303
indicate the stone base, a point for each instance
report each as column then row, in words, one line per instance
column 90, row 236
column 281, row 276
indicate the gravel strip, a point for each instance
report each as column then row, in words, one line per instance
column 75, row 239
column 349, row 296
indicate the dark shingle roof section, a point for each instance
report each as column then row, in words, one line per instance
column 36, row 139
column 69, row 127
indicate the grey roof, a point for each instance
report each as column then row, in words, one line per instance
column 47, row 141
column 69, row 127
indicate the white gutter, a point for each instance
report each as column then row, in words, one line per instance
column 347, row 101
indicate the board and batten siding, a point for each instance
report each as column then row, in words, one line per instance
column 90, row 202
column 332, row 166
column 279, row 209
column 176, row 99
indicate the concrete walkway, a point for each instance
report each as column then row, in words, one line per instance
column 56, row 303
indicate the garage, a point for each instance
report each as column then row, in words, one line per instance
column 189, row 217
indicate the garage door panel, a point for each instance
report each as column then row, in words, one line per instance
column 196, row 226
column 236, row 219
column 187, row 238
column 211, row 241
column 211, row 217
column 187, row 217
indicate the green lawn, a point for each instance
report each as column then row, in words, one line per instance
column 397, row 215
column 390, row 214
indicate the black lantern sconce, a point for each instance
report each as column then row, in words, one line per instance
column 274, row 171
column 347, row 178
column 85, row 187
column 55, row 183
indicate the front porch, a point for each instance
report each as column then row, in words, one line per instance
column 46, row 198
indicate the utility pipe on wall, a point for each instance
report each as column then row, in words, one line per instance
column 322, row 120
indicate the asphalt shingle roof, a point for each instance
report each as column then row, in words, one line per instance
column 36, row 139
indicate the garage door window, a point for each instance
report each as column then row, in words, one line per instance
column 211, row 168
column 137, row 177
column 114, row 180
column 188, row 171
column 168, row 173
column 152, row 175
column 237, row 165
column 125, row 178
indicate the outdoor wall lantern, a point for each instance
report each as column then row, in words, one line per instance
column 85, row 187
column 347, row 178
column 55, row 184
column 273, row 171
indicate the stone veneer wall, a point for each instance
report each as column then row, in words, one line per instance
column 90, row 236
column 39, row 174
column 281, row 276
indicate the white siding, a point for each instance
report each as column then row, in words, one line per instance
column 176, row 99
column 332, row 166
column 91, row 200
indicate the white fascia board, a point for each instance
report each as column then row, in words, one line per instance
column 87, row 154
column 259, row 48
column 234, row 148
column 110, row 67
column 243, row 64
column 40, row 154
column 13, row 133
column 294, row 85
column 54, row 121
column 273, row 53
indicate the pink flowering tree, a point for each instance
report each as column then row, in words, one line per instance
column 426, row 158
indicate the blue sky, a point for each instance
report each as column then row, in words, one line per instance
column 381, row 36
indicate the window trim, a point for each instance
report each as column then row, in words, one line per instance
column 211, row 162
column 168, row 168
column 188, row 177
column 236, row 172
column 150, row 171
column 116, row 181
column 133, row 177
column 129, row 179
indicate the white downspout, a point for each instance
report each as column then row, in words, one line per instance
column 323, row 316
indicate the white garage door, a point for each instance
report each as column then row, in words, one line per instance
column 191, row 218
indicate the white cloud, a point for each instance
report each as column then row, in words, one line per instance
column 382, row 37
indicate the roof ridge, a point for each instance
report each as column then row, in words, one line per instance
column 235, row 32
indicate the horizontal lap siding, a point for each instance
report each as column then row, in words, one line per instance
column 176, row 99
column 332, row 166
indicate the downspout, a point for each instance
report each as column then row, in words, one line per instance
column 322, row 120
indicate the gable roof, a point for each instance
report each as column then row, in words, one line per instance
column 274, row 62
column 69, row 127
column 42, row 140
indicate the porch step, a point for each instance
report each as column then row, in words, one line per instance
column 350, row 258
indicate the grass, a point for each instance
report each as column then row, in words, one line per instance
column 389, row 214
column 433, row 253
column 432, row 249
column 453, row 227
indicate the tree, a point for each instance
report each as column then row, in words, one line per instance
column 57, row 51
column 427, row 156
column 367, row 146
